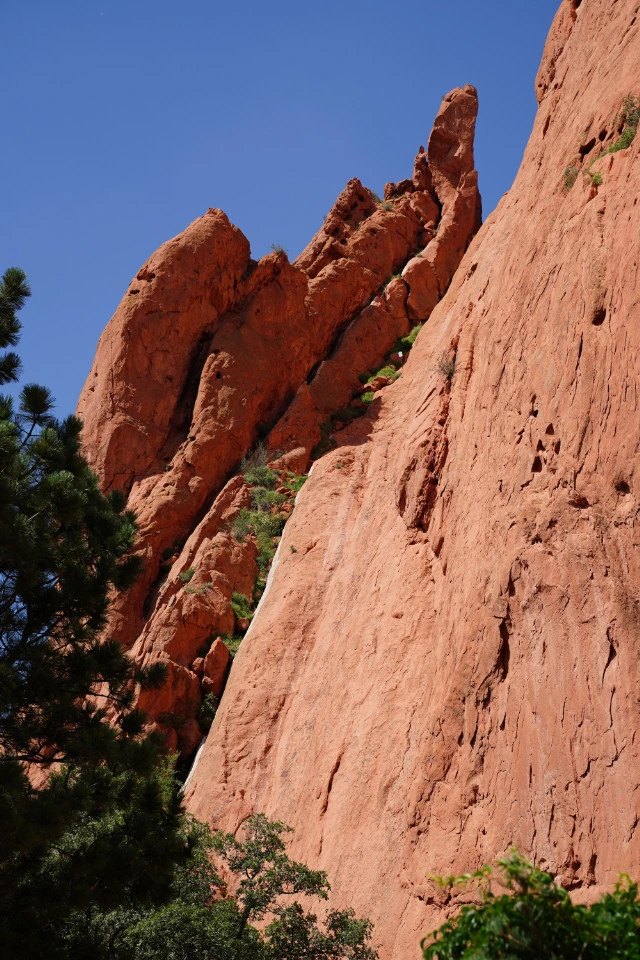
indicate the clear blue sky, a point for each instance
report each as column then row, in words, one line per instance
column 126, row 119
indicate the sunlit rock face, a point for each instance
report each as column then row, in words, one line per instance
column 210, row 352
column 447, row 660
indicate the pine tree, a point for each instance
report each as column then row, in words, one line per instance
column 91, row 819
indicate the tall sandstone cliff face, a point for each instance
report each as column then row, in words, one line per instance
column 446, row 659
column 449, row 662
column 210, row 351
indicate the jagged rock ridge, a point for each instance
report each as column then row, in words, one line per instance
column 210, row 351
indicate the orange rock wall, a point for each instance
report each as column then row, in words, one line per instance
column 449, row 662
column 209, row 351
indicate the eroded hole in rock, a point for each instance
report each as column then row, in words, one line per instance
column 579, row 501
column 536, row 466
column 599, row 317
column 602, row 135
column 612, row 655
column 556, row 446
column 218, row 375
column 504, row 654
column 622, row 486
column 550, row 431
column 540, row 446
column 587, row 147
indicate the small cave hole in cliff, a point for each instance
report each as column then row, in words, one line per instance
column 587, row 147
column 599, row 317
column 504, row 655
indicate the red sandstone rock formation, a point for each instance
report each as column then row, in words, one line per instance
column 448, row 662
column 210, row 349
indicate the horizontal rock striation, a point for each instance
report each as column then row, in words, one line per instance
column 446, row 661
column 210, row 351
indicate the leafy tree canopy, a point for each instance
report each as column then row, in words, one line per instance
column 537, row 919
column 214, row 919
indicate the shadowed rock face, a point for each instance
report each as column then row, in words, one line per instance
column 448, row 664
column 210, row 351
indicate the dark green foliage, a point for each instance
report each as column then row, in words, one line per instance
column 386, row 371
column 368, row 396
column 265, row 527
column 106, row 826
column 538, row 920
column 205, row 922
column 261, row 476
column 624, row 141
column 241, row 606
column 404, row 344
column 375, row 197
column 242, row 524
column 629, row 117
column 408, row 341
column 295, row 482
column 14, row 290
column 187, row 575
column 207, row 710
column 232, row 642
column 263, row 499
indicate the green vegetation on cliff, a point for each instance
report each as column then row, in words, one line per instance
column 534, row 917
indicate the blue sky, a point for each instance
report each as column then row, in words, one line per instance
column 126, row 119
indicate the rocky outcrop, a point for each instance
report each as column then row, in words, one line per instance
column 446, row 660
column 210, row 351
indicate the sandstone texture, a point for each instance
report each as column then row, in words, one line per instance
column 446, row 660
column 210, row 352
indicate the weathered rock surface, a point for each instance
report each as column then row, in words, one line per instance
column 448, row 663
column 206, row 353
